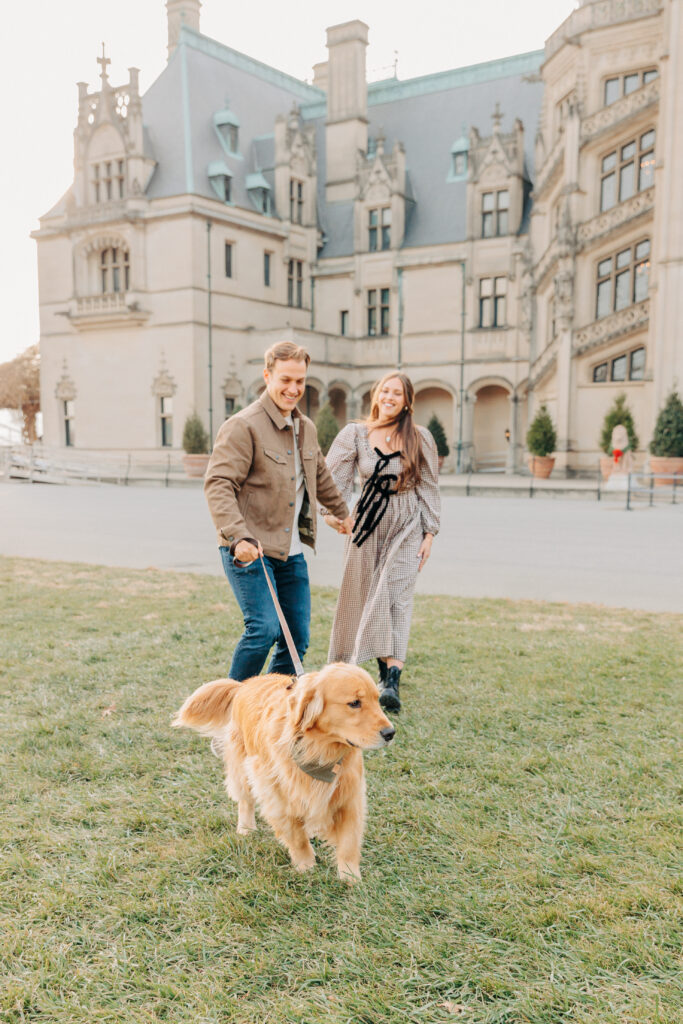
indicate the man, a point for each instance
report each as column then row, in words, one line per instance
column 262, row 484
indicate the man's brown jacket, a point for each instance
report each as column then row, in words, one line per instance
column 250, row 481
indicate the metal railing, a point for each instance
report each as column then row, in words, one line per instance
column 644, row 484
column 41, row 464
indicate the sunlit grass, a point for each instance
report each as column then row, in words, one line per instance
column 522, row 858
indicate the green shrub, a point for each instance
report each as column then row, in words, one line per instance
column 667, row 440
column 541, row 438
column 618, row 414
column 435, row 428
column 327, row 427
column 195, row 438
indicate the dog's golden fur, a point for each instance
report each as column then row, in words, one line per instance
column 264, row 726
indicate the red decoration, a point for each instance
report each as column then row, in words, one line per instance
column 617, row 454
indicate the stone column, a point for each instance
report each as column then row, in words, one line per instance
column 666, row 303
column 510, row 462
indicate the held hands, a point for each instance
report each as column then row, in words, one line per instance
column 425, row 550
column 246, row 552
column 340, row 525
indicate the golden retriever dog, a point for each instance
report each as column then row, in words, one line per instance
column 293, row 748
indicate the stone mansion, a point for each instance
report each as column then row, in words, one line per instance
column 509, row 234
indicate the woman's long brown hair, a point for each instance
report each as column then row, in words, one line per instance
column 407, row 435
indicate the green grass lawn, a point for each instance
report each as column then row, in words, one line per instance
column 522, row 855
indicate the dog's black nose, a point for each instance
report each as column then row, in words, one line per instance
column 387, row 734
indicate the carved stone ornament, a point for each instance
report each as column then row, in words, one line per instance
column 624, row 108
column 564, row 295
column 622, row 213
column 65, row 390
column 164, row 385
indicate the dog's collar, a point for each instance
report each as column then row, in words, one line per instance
column 320, row 772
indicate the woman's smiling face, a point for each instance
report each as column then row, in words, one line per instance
column 391, row 398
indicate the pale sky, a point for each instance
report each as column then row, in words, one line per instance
column 49, row 45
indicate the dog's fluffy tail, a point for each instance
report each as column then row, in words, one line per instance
column 208, row 709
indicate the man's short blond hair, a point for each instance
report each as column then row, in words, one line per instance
column 286, row 350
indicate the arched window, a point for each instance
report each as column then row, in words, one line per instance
column 114, row 270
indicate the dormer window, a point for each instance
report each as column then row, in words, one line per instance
column 108, row 180
column 227, row 127
column 221, row 180
column 459, row 152
column 259, row 192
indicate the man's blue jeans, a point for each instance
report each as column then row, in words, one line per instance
column 261, row 624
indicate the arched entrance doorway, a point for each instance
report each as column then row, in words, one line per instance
column 490, row 422
column 310, row 403
column 337, row 400
column 435, row 401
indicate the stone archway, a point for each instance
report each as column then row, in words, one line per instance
column 490, row 421
column 338, row 400
column 310, row 403
column 435, row 400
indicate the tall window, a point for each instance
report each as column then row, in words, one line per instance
column 623, row 279
column 166, row 413
column 266, row 269
column 296, row 201
column 344, row 322
column 378, row 311
column 229, row 406
column 627, row 170
column 228, row 259
column 494, row 213
column 492, row 294
column 623, row 85
column 379, row 228
column 114, row 270
column 295, row 283
column 69, row 435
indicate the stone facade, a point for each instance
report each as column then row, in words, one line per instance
column 368, row 224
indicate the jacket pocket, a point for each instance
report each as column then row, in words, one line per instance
column 276, row 456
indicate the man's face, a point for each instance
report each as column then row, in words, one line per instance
column 286, row 383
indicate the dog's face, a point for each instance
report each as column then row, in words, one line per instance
column 342, row 703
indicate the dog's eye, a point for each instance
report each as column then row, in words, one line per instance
column 354, row 704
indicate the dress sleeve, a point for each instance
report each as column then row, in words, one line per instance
column 428, row 493
column 341, row 461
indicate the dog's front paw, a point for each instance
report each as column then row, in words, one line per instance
column 349, row 873
column 304, row 863
column 245, row 830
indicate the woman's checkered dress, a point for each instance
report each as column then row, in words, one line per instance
column 372, row 618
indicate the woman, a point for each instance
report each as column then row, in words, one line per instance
column 396, row 520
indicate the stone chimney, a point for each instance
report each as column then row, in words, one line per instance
column 346, row 130
column 320, row 75
column 181, row 12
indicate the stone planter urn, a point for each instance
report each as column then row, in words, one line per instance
column 195, row 465
column 664, row 464
column 541, row 466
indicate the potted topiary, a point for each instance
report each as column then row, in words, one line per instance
column 618, row 415
column 435, row 428
column 666, row 446
column 327, row 427
column 195, row 446
column 541, row 440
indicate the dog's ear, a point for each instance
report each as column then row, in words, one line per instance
column 306, row 702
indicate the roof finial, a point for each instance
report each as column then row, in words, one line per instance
column 497, row 117
column 103, row 61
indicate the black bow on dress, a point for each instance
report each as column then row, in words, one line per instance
column 374, row 498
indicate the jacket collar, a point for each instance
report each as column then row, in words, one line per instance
column 275, row 413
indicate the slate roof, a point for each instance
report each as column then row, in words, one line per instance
column 425, row 114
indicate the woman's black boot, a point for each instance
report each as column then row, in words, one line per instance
column 382, row 665
column 388, row 697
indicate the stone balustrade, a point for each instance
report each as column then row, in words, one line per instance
column 620, row 110
column 625, row 321
column 595, row 229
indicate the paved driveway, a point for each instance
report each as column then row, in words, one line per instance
column 547, row 549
